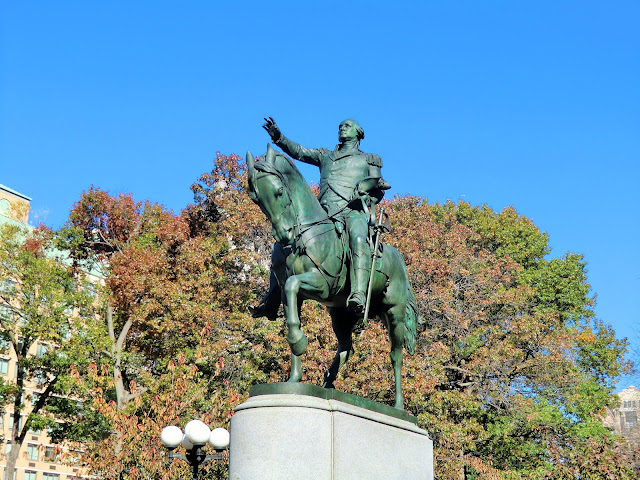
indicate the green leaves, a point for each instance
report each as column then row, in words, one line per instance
column 49, row 326
column 521, row 367
column 511, row 373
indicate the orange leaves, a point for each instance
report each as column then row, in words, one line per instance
column 494, row 349
column 497, row 326
column 33, row 246
column 587, row 336
column 92, row 370
column 219, row 365
column 107, row 222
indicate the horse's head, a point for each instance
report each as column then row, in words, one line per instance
column 269, row 189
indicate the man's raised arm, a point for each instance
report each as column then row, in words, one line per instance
column 306, row 155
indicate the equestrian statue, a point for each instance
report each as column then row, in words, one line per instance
column 328, row 248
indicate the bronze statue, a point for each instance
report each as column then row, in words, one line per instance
column 311, row 258
column 351, row 184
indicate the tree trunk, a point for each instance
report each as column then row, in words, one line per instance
column 12, row 456
column 122, row 396
column 18, row 431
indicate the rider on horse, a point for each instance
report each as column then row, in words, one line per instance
column 350, row 185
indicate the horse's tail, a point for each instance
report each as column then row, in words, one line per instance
column 398, row 270
column 411, row 317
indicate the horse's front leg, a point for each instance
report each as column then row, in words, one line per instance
column 310, row 284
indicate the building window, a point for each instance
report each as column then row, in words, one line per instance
column 5, row 344
column 41, row 350
column 7, row 447
column 74, row 456
column 30, row 475
column 11, row 422
column 40, row 378
column 7, row 286
column 32, row 430
column 51, row 454
column 6, row 312
column 50, row 476
column 1, row 421
column 4, row 366
column 32, row 452
column 630, row 419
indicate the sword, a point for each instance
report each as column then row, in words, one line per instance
column 378, row 228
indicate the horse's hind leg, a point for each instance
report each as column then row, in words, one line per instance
column 342, row 323
column 396, row 329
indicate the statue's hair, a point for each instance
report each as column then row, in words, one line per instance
column 359, row 130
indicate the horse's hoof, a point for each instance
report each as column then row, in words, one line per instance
column 299, row 346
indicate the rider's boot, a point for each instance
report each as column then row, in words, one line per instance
column 270, row 303
column 360, row 271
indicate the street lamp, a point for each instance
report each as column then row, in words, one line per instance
column 196, row 435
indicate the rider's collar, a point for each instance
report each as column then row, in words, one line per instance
column 339, row 153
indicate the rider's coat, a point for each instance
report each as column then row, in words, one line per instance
column 340, row 172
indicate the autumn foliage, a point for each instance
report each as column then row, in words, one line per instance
column 512, row 369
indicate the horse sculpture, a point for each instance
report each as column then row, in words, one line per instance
column 317, row 264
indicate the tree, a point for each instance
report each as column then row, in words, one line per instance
column 48, row 322
column 179, row 287
column 521, row 370
column 512, row 369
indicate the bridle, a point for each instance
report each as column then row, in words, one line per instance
column 303, row 229
column 261, row 172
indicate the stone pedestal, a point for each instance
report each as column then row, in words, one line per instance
column 303, row 432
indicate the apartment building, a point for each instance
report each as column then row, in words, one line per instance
column 39, row 458
column 624, row 419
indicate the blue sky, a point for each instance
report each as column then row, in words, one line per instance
column 534, row 104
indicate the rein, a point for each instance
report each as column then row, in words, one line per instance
column 304, row 229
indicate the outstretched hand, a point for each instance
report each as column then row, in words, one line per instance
column 272, row 129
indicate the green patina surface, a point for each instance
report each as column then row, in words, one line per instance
column 315, row 259
column 329, row 394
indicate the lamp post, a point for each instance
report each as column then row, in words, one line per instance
column 196, row 435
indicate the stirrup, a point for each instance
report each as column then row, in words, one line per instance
column 266, row 308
